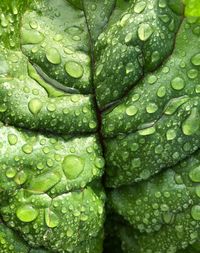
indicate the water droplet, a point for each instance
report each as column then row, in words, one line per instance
column 129, row 68
column 147, row 131
column 136, row 163
column 31, row 37
column 12, row 139
column 144, row 31
column 99, row 69
column 99, row 163
column 195, row 174
column 58, row 37
column 124, row 19
column 174, row 104
column 69, row 232
column 74, row 69
column 20, row 178
column 92, row 124
column 3, row 108
column 44, row 182
column 196, row 60
column 51, row 218
column 33, row 24
column 35, row 105
column 152, row 79
column 53, row 56
column 192, row 73
column 195, row 212
column 11, row 172
column 72, row 166
column 197, row 190
column 27, row 213
column 191, row 125
column 51, row 107
column 128, row 37
column 131, row 110
column 168, row 217
column 27, row 149
column 161, row 92
column 151, row 108
column 178, row 83
column 171, row 134
column 139, row 7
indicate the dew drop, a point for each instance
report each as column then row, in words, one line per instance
column 12, row 139
column 51, row 218
column 72, row 166
column 196, row 60
column 53, row 56
column 131, row 110
column 178, row 83
column 191, row 125
column 195, row 174
column 195, row 212
column 74, row 69
column 171, row 134
column 27, row 213
column 139, row 7
column 144, row 31
column 35, row 106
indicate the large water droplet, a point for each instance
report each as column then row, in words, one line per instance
column 53, row 55
column 12, row 139
column 196, row 60
column 20, row 178
column 195, row 174
column 147, row 131
column 171, row 134
column 11, row 172
column 74, row 69
column 27, row 213
column 195, row 212
column 35, row 105
column 131, row 110
column 144, row 31
column 27, row 149
column 139, row 7
column 31, row 37
column 51, row 218
column 174, row 104
column 151, row 108
column 44, row 182
column 72, row 166
column 178, row 83
column 191, row 125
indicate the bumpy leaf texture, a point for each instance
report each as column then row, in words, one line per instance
column 99, row 100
